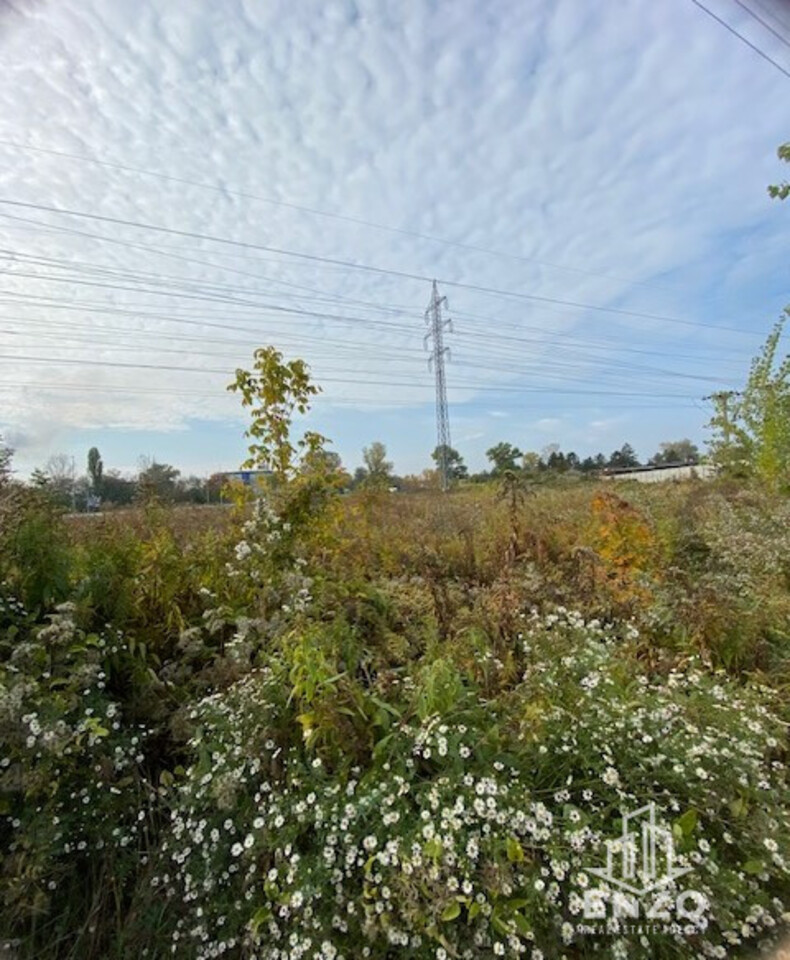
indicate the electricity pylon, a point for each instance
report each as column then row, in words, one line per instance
column 437, row 324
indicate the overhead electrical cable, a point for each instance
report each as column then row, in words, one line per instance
column 322, row 213
column 741, row 37
column 382, row 271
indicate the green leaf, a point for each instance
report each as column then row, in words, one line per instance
column 260, row 917
column 93, row 726
column 515, row 852
column 451, row 912
column 517, row 903
column 433, row 848
column 474, row 910
column 687, row 822
column 753, row 866
column 522, row 924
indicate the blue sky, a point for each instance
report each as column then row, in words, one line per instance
column 600, row 169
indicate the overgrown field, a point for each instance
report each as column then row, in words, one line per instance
column 391, row 725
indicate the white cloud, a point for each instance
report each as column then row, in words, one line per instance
column 548, row 424
column 624, row 142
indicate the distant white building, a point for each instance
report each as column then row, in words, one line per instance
column 662, row 472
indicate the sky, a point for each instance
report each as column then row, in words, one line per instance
column 183, row 183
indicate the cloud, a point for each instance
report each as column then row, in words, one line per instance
column 613, row 157
column 606, row 424
column 548, row 424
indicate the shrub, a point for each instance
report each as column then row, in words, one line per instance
column 76, row 801
column 471, row 833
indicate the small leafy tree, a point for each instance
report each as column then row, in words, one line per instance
column 503, row 456
column 274, row 390
column 157, row 480
column 378, row 470
column 269, row 571
column 62, row 473
column 456, row 468
column 531, row 462
column 751, row 430
column 624, row 457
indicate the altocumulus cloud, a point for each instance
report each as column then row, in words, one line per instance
column 613, row 155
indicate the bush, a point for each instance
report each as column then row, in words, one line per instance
column 471, row 833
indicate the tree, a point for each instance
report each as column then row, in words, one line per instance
column 328, row 465
column 676, row 451
column 39, row 479
column 378, row 470
column 157, row 480
column 751, row 430
column 191, row 489
column 329, row 460
column 781, row 191
column 531, row 462
column 302, row 485
column 6, row 456
column 554, row 458
column 456, row 468
column 62, row 473
column 95, row 470
column 503, row 456
column 274, row 391
column 624, row 457
column 360, row 476
column 214, row 486
column 117, row 489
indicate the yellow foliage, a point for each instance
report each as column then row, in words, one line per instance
column 626, row 545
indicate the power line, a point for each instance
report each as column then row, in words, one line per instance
column 382, row 271
column 773, row 14
column 324, row 296
column 103, row 388
column 741, row 37
column 323, row 213
column 169, row 368
column 472, row 336
column 764, row 23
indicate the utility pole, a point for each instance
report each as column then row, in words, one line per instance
column 437, row 324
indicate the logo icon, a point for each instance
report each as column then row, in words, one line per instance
column 647, row 855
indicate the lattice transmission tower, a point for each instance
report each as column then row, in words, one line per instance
column 437, row 324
